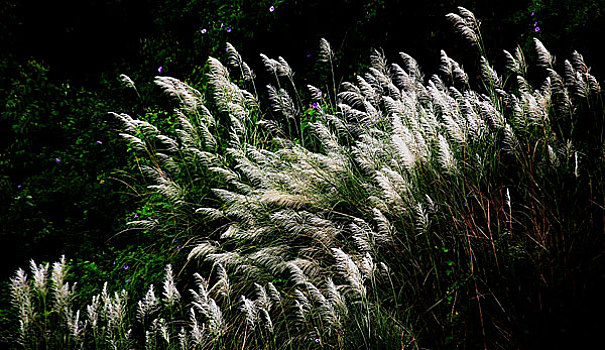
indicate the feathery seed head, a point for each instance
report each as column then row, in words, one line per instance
column 171, row 294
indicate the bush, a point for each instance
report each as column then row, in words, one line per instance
column 56, row 161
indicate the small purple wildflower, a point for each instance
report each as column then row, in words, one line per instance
column 317, row 340
column 99, row 142
column 308, row 55
column 178, row 247
column 160, row 69
column 533, row 13
column 271, row 9
column 125, row 267
column 535, row 24
column 222, row 25
column 315, row 105
column 538, row 30
column 57, row 159
column 319, row 94
column 18, row 186
column 204, row 31
column 228, row 29
column 136, row 215
column 128, row 280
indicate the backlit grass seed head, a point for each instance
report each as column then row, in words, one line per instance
column 21, row 299
column 322, row 305
column 93, row 312
column 516, row 63
column 576, row 169
column 316, row 94
column 302, row 306
column 366, row 264
column 466, row 25
column 510, row 139
column 335, row 297
column 489, row 74
column 235, row 60
column 361, row 237
column 446, row 158
column 148, row 305
column 196, row 333
column 423, row 221
column 405, row 154
column 76, row 327
column 274, row 294
column 325, row 51
column 116, row 309
column 262, row 298
column 552, row 156
column 40, row 277
column 349, row 270
column 545, row 59
column 188, row 97
column 222, row 285
column 127, row 81
column 216, row 322
column 413, row 70
column 183, row 339
column 250, row 312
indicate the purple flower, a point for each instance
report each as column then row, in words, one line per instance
column 125, row 267
column 57, row 159
column 222, row 25
column 317, row 340
column 128, row 280
column 228, row 29
column 315, row 105
column 535, row 24
column 178, row 247
column 136, row 215
column 537, row 30
column 99, row 142
column 319, row 94
column 160, row 69
column 533, row 13
column 18, row 186
column 204, row 31
column 271, row 9
column 308, row 55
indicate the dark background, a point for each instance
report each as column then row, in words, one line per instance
column 80, row 40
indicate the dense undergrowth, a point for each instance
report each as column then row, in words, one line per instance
column 394, row 211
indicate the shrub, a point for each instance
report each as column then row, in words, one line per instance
column 56, row 157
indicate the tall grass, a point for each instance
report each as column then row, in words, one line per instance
column 412, row 212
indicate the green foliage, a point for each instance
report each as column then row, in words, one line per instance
column 55, row 162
